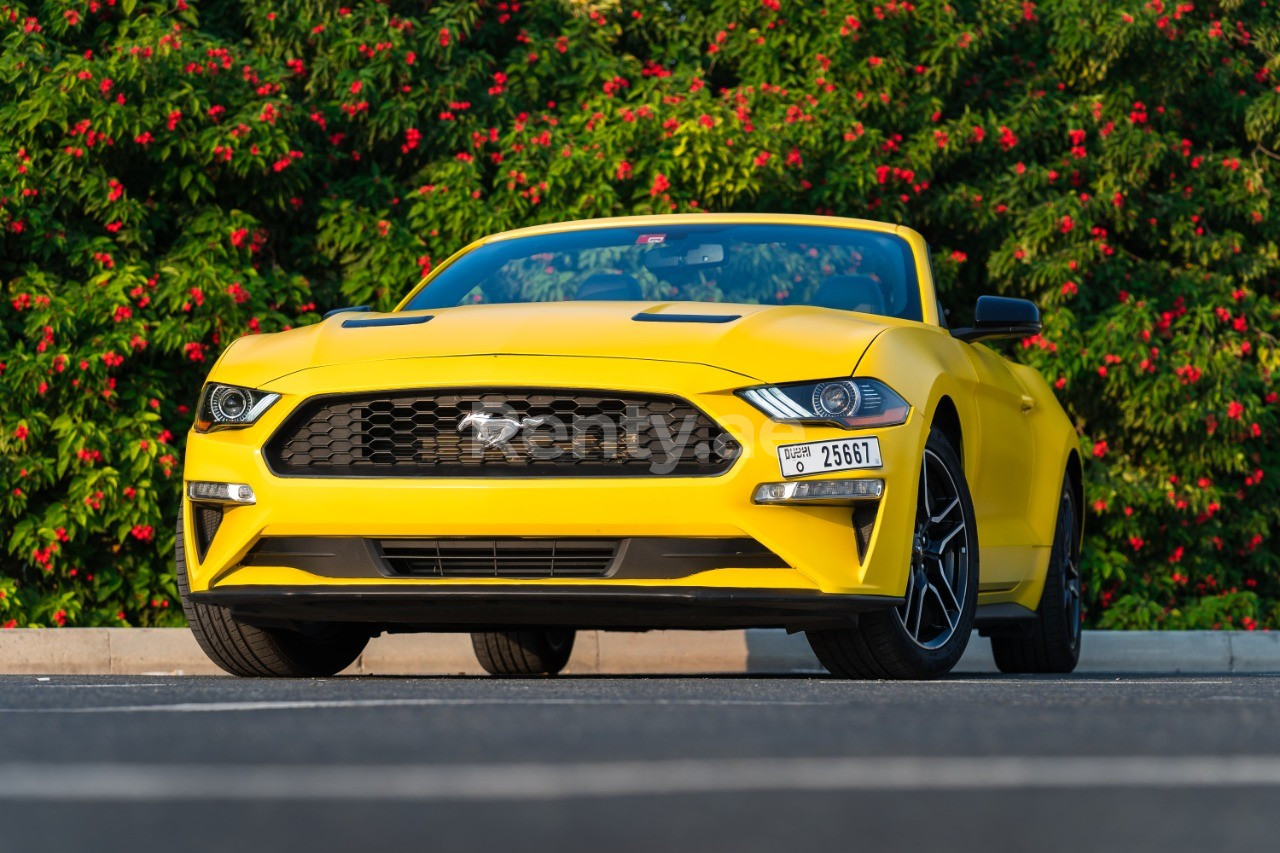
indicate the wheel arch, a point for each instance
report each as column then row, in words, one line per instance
column 947, row 419
column 1075, row 482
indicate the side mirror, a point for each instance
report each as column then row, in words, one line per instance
column 329, row 314
column 1001, row 317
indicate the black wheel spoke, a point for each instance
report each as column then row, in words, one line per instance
column 937, row 585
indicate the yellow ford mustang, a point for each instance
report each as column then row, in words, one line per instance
column 715, row 421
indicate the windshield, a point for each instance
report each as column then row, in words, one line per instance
column 842, row 268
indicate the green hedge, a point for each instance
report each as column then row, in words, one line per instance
column 173, row 175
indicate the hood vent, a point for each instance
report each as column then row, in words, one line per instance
column 393, row 320
column 645, row 317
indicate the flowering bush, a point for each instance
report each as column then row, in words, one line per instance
column 176, row 174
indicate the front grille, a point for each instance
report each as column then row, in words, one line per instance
column 499, row 558
column 499, row 433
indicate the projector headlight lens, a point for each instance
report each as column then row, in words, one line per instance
column 854, row 403
column 836, row 399
column 230, row 406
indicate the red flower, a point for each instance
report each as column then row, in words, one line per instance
column 660, row 185
column 1235, row 410
column 1100, row 449
column 624, row 171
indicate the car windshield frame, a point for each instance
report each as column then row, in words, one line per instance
column 681, row 258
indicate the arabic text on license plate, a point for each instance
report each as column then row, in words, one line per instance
column 817, row 457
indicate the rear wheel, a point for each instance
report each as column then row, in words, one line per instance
column 315, row 651
column 925, row 636
column 528, row 651
column 1053, row 642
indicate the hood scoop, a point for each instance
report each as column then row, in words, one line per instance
column 393, row 320
column 646, row 317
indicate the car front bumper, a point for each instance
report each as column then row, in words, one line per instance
column 818, row 561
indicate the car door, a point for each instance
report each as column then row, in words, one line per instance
column 1000, row 473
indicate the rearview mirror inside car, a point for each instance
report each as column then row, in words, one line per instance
column 667, row 257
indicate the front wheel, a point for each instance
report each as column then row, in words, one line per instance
column 925, row 636
column 247, row 650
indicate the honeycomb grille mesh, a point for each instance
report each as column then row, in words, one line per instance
column 558, row 433
column 208, row 520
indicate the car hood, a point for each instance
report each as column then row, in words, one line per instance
column 760, row 342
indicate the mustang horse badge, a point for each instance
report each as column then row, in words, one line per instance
column 495, row 432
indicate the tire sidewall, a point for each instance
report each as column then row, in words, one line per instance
column 1053, row 613
column 939, row 661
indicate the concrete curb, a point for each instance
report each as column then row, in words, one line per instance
column 136, row 651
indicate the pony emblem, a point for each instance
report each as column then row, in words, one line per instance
column 495, row 432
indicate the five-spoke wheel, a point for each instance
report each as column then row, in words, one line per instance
column 939, row 577
column 926, row 634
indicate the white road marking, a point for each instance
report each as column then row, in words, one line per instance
column 107, row 686
column 416, row 782
column 306, row 705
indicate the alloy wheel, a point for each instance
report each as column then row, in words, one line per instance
column 1071, row 580
column 939, row 579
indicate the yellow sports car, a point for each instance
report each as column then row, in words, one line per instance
column 708, row 421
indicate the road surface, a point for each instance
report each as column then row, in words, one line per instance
column 621, row 764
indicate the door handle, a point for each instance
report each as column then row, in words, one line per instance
column 1028, row 402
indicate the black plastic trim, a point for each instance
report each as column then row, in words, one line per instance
column 456, row 607
column 645, row 317
column 636, row 557
column 206, row 519
column 360, row 323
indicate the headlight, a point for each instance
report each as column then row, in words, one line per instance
column 228, row 406
column 850, row 403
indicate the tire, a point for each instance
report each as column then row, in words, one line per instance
column 528, row 651
column 246, row 650
column 1053, row 642
column 926, row 635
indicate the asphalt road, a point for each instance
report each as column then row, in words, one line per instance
column 619, row 764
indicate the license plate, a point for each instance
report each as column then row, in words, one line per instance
column 818, row 457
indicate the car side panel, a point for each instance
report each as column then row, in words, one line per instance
column 1006, row 466
column 1003, row 450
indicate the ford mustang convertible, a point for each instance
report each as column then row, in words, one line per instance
column 709, row 421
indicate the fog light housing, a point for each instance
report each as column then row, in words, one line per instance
column 221, row 493
column 820, row 491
